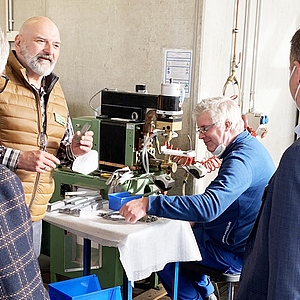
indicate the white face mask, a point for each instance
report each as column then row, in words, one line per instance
column 297, row 91
column 220, row 149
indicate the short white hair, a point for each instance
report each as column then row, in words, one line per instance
column 221, row 109
column 4, row 51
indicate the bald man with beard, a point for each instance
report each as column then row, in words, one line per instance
column 20, row 276
column 36, row 132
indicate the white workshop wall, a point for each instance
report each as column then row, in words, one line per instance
column 279, row 21
column 113, row 44
column 119, row 43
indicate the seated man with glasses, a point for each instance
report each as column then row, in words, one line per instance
column 224, row 214
column 20, row 276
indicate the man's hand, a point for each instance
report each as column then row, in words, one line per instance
column 85, row 144
column 134, row 209
column 37, row 161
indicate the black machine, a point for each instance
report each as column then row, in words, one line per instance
column 126, row 121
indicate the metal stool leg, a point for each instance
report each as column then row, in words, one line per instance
column 217, row 292
column 230, row 291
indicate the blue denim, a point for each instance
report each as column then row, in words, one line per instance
column 37, row 237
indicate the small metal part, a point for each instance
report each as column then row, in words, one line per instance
column 82, row 193
column 84, row 129
column 165, row 182
column 148, row 219
column 112, row 215
column 66, row 209
column 115, row 216
column 55, row 205
column 77, row 212
column 81, row 200
column 86, row 209
column 72, row 200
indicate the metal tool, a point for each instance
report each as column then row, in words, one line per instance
column 112, row 215
column 77, row 206
column 115, row 216
column 82, row 200
column 83, row 130
column 55, row 205
column 86, row 209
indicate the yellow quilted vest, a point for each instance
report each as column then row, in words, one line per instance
column 20, row 125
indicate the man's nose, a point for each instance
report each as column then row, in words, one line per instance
column 48, row 48
column 201, row 135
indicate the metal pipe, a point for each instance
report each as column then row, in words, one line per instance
column 245, row 50
column 6, row 15
column 234, row 64
column 193, row 99
column 255, row 54
column 9, row 15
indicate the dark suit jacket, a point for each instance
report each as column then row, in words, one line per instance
column 271, row 269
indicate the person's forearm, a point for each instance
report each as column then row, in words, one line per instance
column 9, row 157
column 65, row 155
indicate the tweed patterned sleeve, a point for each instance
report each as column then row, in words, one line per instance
column 20, row 276
column 9, row 157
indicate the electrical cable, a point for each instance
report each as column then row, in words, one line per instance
column 90, row 105
column 190, row 141
column 145, row 159
column 211, row 164
column 185, row 179
column 150, row 193
column 145, row 162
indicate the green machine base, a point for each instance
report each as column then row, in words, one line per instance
column 110, row 274
column 66, row 250
column 66, row 259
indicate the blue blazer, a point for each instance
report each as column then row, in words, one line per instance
column 271, row 269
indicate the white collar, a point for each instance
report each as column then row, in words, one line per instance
column 297, row 130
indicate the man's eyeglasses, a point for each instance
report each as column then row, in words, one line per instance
column 3, row 82
column 204, row 129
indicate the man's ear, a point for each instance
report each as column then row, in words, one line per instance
column 228, row 125
column 18, row 42
column 297, row 71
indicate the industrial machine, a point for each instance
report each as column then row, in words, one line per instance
column 256, row 123
column 132, row 136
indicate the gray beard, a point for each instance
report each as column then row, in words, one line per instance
column 34, row 64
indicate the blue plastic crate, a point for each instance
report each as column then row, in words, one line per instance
column 86, row 287
column 117, row 200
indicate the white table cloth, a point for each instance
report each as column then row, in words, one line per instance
column 144, row 247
